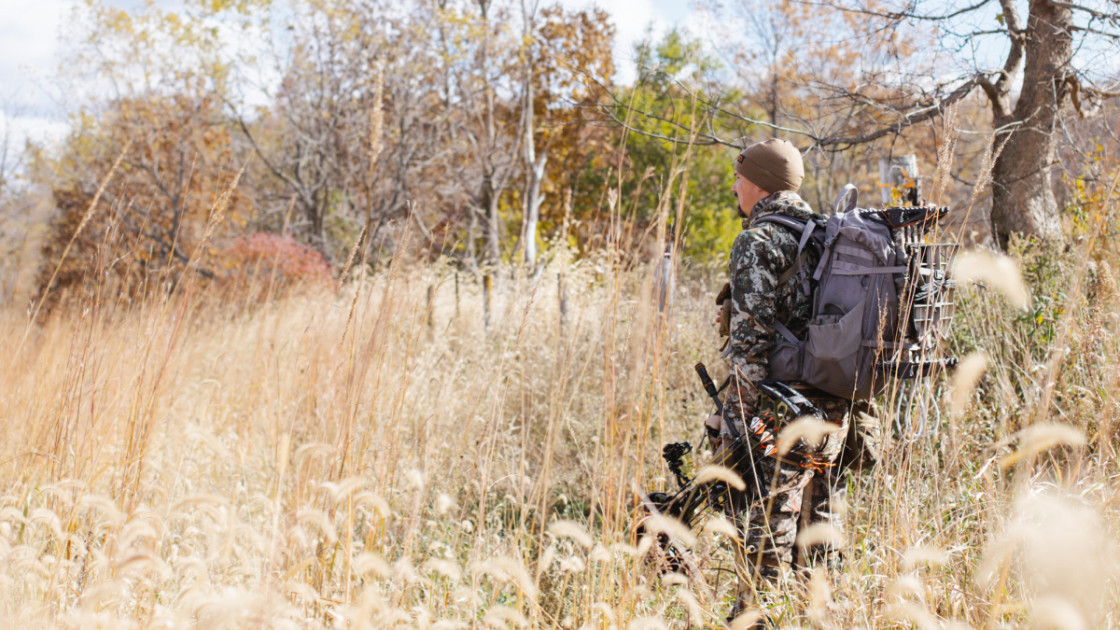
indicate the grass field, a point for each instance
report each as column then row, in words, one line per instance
column 378, row 457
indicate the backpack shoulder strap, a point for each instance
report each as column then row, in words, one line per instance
column 806, row 230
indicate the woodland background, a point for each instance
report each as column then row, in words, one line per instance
column 496, row 130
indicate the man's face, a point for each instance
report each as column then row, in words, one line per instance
column 747, row 194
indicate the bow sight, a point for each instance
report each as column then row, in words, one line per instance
column 779, row 404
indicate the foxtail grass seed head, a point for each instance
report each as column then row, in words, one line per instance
column 191, row 503
column 906, row 588
column 415, row 478
column 1039, row 438
column 446, row 568
column 965, row 378
column 913, row 613
column 338, row 492
column 674, row 579
column 692, row 606
column 1056, row 612
column 372, row 563
column 547, row 558
column 444, row 504
column 660, row 524
column 820, row 597
column 509, row 570
column 810, row 429
column 1062, row 551
column 603, row 611
column 505, row 617
column 320, row 520
column 600, row 554
column 50, row 521
column 572, row 564
column 404, row 572
column 746, row 620
column 720, row 525
column 624, row 549
column 376, row 502
column 995, row 271
column 819, row 534
column 571, row 530
column 715, row 472
column 648, row 622
column 924, row 555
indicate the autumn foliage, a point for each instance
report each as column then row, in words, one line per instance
column 141, row 195
column 275, row 262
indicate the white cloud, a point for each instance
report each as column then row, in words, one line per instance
column 29, row 44
column 29, row 36
column 17, row 130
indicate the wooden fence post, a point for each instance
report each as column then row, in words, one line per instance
column 665, row 282
column 487, row 286
column 562, row 295
column 431, row 310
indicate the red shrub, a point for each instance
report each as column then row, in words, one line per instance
column 262, row 259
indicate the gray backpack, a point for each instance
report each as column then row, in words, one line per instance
column 864, row 297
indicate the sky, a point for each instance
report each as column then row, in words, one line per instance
column 31, row 45
column 32, row 32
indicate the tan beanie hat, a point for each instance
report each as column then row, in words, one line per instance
column 772, row 165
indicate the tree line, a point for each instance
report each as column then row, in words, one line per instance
column 490, row 131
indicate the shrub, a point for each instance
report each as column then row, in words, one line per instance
column 274, row 263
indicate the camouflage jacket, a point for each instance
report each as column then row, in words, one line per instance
column 761, row 254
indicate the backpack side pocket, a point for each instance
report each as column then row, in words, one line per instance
column 832, row 351
column 785, row 360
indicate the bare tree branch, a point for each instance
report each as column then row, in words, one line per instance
column 900, row 15
column 1111, row 17
column 910, row 118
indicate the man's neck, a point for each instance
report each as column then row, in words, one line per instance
column 761, row 204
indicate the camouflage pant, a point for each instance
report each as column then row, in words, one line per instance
column 798, row 497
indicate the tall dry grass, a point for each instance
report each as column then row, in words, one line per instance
column 374, row 459
column 379, row 457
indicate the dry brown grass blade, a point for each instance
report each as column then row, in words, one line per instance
column 69, row 244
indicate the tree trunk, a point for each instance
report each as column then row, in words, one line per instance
column 492, row 224
column 472, row 241
column 1022, row 192
column 534, row 166
column 533, row 199
column 491, row 187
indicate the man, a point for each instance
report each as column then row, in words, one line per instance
column 768, row 291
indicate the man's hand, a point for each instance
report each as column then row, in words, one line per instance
column 723, row 317
column 714, row 424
